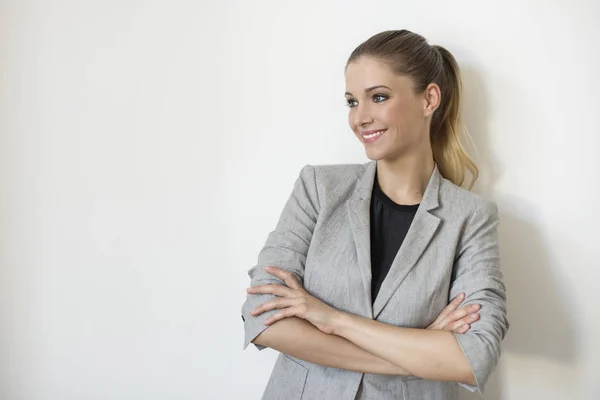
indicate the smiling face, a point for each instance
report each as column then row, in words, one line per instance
column 386, row 114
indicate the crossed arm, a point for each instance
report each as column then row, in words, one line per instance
column 364, row 345
column 348, row 341
column 298, row 337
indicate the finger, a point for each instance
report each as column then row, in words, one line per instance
column 460, row 313
column 280, row 302
column 285, row 313
column 287, row 276
column 469, row 319
column 457, row 300
column 452, row 306
column 462, row 329
column 271, row 288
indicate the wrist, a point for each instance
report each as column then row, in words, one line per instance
column 339, row 323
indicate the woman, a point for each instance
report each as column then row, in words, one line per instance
column 365, row 257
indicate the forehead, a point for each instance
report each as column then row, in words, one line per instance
column 368, row 72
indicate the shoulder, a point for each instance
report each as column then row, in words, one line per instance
column 462, row 202
column 339, row 172
column 339, row 175
column 333, row 183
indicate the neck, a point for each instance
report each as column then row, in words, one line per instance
column 405, row 179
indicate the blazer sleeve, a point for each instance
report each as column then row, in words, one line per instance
column 286, row 247
column 477, row 274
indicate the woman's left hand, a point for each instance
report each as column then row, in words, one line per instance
column 293, row 301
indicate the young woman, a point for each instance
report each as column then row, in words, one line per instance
column 365, row 257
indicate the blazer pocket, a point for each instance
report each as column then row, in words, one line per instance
column 418, row 389
column 287, row 380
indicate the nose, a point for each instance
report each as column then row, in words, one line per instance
column 362, row 115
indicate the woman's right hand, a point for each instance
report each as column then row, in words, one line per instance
column 454, row 319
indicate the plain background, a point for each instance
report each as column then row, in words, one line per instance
column 147, row 148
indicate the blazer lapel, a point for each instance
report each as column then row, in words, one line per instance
column 359, row 217
column 419, row 235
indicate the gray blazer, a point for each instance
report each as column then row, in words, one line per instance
column 323, row 237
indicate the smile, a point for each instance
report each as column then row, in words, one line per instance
column 372, row 135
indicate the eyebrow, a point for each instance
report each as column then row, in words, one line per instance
column 367, row 90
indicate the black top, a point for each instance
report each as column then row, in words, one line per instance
column 389, row 224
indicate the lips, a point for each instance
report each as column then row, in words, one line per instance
column 369, row 136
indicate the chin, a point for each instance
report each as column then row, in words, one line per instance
column 383, row 155
column 377, row 154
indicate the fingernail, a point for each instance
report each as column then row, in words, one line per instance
column 461, row 295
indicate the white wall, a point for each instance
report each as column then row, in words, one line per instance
column 146, row 150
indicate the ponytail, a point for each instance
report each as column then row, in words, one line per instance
column 446, row 126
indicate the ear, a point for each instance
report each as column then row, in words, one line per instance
column 431, row 99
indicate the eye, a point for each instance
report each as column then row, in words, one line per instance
column 378, row 98
column 351, row 103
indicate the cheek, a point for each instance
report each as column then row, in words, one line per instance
column 399, row 116
column 391, row 116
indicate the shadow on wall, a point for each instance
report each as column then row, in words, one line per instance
column 538, row 305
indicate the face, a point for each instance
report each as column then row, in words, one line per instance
column 386, row 115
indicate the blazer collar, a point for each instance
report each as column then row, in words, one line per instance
column 430, row 200
column 419, row 235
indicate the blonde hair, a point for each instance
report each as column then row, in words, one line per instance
column 409, row 54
